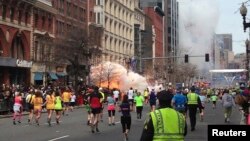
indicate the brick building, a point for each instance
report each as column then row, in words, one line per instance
column 15, row 41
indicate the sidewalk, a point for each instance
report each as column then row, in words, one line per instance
column 26, row 113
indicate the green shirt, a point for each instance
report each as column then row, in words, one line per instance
column 214, row 98
column 139, row 100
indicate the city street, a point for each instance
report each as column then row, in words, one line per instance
column 73, row 127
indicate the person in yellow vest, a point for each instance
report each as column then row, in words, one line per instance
column 50, row 105
column 164, row 123
column 193, row 102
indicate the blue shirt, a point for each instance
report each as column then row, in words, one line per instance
column 179, row 101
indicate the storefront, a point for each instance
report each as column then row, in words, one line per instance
column 14, row 71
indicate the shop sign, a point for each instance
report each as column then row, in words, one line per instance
column 23, row 63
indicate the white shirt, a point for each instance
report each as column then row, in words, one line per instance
column 116, row 94
column 130, row 94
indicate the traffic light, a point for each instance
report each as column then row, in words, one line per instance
column 207, row 57
column 186, row 58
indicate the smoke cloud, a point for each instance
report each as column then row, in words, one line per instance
column 198, row 21
column 118, row 77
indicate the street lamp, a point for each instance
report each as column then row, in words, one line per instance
column 243, row 12
column 247, row 42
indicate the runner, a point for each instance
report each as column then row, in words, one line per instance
column 152, row 100
column 50, row 105
column 86, row 103
column 72, row 101
column 139, row 104
column 131, row 97
column 125, row 108
column 146, row 93
column 17, row 108
column 37, row 102
column 111, row 109
column 203, row 99
column 95, row 100
column 58, row 106
column 30, row 106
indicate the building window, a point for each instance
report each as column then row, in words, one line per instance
column 76, row 11
column 26, row 17
column 43, row 22
column 4, row 12
column 12, row 13
column 35, row 51
column 49, row 23
column 17, row 50
column 19, row 16
column 68, row 8
column 36, row 20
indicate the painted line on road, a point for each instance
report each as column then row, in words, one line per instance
column 59, row 138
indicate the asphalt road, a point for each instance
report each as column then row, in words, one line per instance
column 73, row 127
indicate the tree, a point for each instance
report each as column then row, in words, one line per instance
column 76, row 48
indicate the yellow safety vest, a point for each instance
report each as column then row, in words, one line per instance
column 169, row 125
column 192, row 98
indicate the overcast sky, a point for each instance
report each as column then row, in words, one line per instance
column 230, row 21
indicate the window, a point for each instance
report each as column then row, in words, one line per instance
column 4, row 12
column 17, row 50
column 35, row 51
column 19, row 16
column 12, row 13
column 43, row 22
column 26, row 17
column 68, row 8
column 36, row 20
column 49, row 23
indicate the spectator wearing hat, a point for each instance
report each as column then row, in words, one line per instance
column 193, row 102
column 164, row 123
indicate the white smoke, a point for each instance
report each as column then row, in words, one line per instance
column 198, row 21
column 119, row 77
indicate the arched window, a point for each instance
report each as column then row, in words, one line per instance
column 17, row 48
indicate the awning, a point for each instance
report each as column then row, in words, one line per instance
column 38, row 76
column 53, row 76
column 61, row 74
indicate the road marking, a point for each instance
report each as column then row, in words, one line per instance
column 117, row 122
column 59, row 138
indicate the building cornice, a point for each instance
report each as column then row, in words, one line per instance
column 45, row 7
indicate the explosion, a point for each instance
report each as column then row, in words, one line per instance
column 113, row 75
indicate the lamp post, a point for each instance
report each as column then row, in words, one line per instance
column 247, row 58
column 243, row 12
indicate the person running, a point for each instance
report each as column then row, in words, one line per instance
column 17, row 108
column 72, row 101
column 139, row 104
column 145, row 94
column 38, row 103
column 131, row 97
column 95, row 100
column 87, row 106
column 179, row 102
column 125, row 108
column 66, row 100
column 50, row 105
column 116, row 94
column 58, row 106
column 228, row 104
column 111, row 109
column 203, row 99
column 214, row 99
column 30, row 106
column 152, row 99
